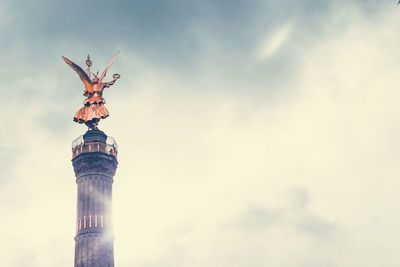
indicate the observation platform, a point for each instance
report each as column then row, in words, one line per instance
column 94, row 141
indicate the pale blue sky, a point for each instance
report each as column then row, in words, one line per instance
column 251, row 133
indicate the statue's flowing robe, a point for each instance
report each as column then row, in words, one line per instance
column 93, row 109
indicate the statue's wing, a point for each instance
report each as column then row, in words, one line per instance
column 108, row 66
column 82, row 74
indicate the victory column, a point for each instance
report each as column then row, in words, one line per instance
column 94, row 158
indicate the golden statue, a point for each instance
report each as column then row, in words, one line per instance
column 93, row 109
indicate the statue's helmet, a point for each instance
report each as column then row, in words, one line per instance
column 95, row 79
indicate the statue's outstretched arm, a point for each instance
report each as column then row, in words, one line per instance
column 116, row 76
column 105, row 85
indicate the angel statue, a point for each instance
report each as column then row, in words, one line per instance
column 93, row 109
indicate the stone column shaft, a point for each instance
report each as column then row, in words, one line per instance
column 94, row 168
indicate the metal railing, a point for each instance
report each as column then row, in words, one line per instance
column 79, row 146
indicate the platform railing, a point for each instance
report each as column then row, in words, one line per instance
column 79, row 146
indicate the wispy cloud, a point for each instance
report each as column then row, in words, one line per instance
column 274, row 41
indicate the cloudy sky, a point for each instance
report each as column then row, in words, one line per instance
column 251, row 133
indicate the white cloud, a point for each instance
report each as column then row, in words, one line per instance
column 273, row 42
column 328, row 136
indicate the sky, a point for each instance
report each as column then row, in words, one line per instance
column 251, row 133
